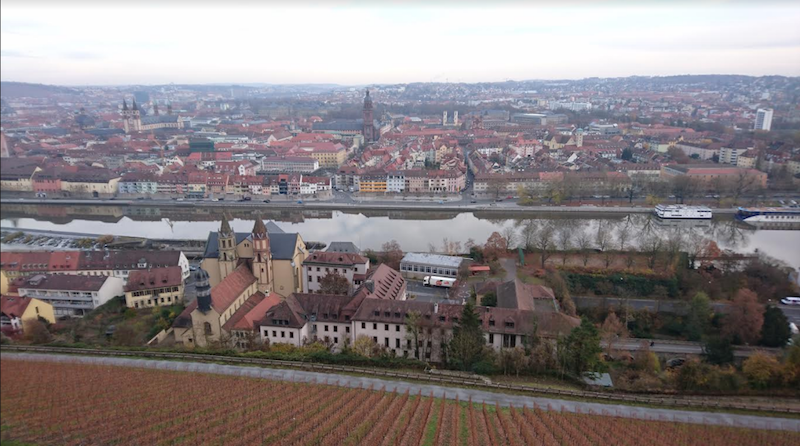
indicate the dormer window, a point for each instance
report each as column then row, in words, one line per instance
column 491, row 322
column 509, row 325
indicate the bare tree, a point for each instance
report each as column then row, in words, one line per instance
column 651, row 246
column 695, row 244
column 333, row 283
column 497, row 186
column 623, row 234
column 674, row 243
column 510, row 234
column 584, row 244
column 564, row 239
column 529, row 233
column 544, row 241
column 603, row 235
column 431, row 248
column 613, row 330
column 392, row 254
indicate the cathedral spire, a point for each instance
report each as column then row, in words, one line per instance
column 259, row 229
column 135, row 107
column 124, row 105
column 225, row 229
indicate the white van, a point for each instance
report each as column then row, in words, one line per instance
column 791, row 301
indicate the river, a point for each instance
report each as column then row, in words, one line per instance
column 414, row 230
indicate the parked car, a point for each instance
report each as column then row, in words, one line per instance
column 473, row 201
column 266, row 201
column 791, row 301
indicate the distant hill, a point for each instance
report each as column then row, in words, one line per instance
column 23, row 89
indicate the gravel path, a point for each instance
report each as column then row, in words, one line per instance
column 723, row 419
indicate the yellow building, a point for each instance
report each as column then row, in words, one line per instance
column 17, row 311
column 154, row 287
column 99, row 183
column 18, row 180
column 372, row 183
column 201, row 323
column 330, row 158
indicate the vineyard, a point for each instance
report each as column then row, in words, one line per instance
column 78, row 404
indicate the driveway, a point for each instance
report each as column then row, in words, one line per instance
column 452, row 393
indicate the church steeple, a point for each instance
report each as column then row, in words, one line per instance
column 124, row 105
column 262, row 256
column 225, row 228
column 226, row 243
column 368, row 129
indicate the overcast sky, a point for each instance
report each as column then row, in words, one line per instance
column 354, row 43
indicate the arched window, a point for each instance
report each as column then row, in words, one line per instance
column 207, row 327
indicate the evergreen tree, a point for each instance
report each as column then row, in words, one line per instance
column 699, row 316
column 775, row 332
column 580, row 351
column 466, row 346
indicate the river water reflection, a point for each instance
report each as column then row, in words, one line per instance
column 414, row 230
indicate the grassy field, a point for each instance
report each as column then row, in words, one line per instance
column 62, row 403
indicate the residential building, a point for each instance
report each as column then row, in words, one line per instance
column 417, row 265
column 373, row 182
column 730, row 155
column 154, row 287
column 70, row 295
column 763, row 119
column 291, row 164
column 17, row 311
column 318, row 264
column 707, row 174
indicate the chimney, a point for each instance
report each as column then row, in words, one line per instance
column 435, row 308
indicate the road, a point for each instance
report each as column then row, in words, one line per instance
column 463, row 394
column 339, row 202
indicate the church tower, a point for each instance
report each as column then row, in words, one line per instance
column 131, row 117
column 369, row 127
column 226, row 240
column 262, row 256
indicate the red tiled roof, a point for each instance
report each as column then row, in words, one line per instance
column 14, row 306
column 252, row 311
column 231, row 287
column 154, row 278
column 334, row 258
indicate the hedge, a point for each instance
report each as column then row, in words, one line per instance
column 636, row 285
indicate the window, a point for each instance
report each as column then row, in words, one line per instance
column 416, row 268
column 375, row 339
column 374, row 326
column 291, row 334
column 491, row 322
column 427, row 269
column 274, row 334
column 335, row 328
column 206, row 326
column 386, row 327
column 326, row 328
column 397, row 343
column 283, row 334
column 491, row 338
column 386, row 342
column 335, row 340
column 397, row 327
column 509, row 325
column 363, row 325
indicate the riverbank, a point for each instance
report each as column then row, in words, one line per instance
column 460, row 206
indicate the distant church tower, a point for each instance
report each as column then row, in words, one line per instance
column 262, row 256
column 131, row 116
column 227, row 249
column 369, row 127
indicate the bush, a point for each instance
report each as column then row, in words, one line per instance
column 489, row 299
column 762, row 370
column 485, row 367
column 696, row 376
column 615, row 284
column 36, row 332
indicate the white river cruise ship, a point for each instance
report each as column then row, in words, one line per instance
column 680, row 211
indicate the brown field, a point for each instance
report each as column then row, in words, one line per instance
column 75, row 404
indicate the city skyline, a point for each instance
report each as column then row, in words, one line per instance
column 354, row 44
